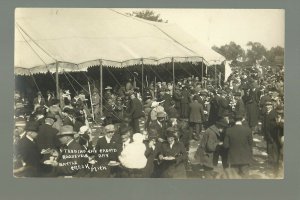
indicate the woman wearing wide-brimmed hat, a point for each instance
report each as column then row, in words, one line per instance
column 172, row 156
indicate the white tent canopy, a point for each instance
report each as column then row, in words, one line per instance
column 75, row 39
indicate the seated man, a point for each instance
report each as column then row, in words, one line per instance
column 107, row 151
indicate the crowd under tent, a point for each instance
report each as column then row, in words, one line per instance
column 59, row 42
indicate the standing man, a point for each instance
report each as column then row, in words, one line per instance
column 211, row 146
column 196, row 115
column 185, row 103
column 135, row 113
column 239, row 106
column 238, row 140
column 96, row 103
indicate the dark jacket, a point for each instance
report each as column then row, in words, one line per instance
column 174, row 168
column 196, row 112
column 47, row 137
column 208, row 146
column 30, row 154
column 135, row 109
column 240, row 108
column 102, row 145
column 238, row 139
column 67, row 163
column 223, row 107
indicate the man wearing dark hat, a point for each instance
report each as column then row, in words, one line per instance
column 28, row 151
column 184, row 103
column 47, row 135
column 135, row 113
column 239, row 107
column 214, row 109
column 279, row 139
column 224, row 107
column 211, row 147
column 274, row 132
column 238, row 140
column 172, row 156
column 196, row 115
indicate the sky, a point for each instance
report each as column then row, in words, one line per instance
column 220, row 26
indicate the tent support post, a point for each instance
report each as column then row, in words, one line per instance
column 101, row 88
column 202, row 73
column 173, row 73
column 57, row 81
column 142, row 78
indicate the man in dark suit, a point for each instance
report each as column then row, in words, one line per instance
column 239, row 106
column 223, row 111
column 238, row 140
column 184, row 103
column 108, row 149
column 135, row 113
column 214, row 109
column 70, row 163
column 28, row 151
column 47, row 135
column 196, row 114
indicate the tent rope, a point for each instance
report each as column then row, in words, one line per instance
column 156, row 73
column 35, row 52
column 36, row 42
column 70, row 82
column 77, row 82
column 114, row 77
column 34, row 81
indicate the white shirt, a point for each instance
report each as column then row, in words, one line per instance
column 171, row 145
column 107, row 139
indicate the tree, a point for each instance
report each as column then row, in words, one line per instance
column 273, row 54
column 148, row 15
column 231, row 51
column 257, row 52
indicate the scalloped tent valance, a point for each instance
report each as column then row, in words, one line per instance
column 76, row 39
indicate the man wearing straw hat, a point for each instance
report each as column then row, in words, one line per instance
column 71, row 162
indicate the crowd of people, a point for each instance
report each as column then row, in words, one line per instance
column 148, row 134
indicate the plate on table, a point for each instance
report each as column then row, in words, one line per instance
column 113, row 163
column 50, row 162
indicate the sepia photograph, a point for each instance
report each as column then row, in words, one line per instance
column 149, row 93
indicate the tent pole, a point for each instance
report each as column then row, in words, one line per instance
column 142, row 78
column 202, row 73
column 101, row 88
column 173, row 74
column 216, row 75
column 57, row 81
